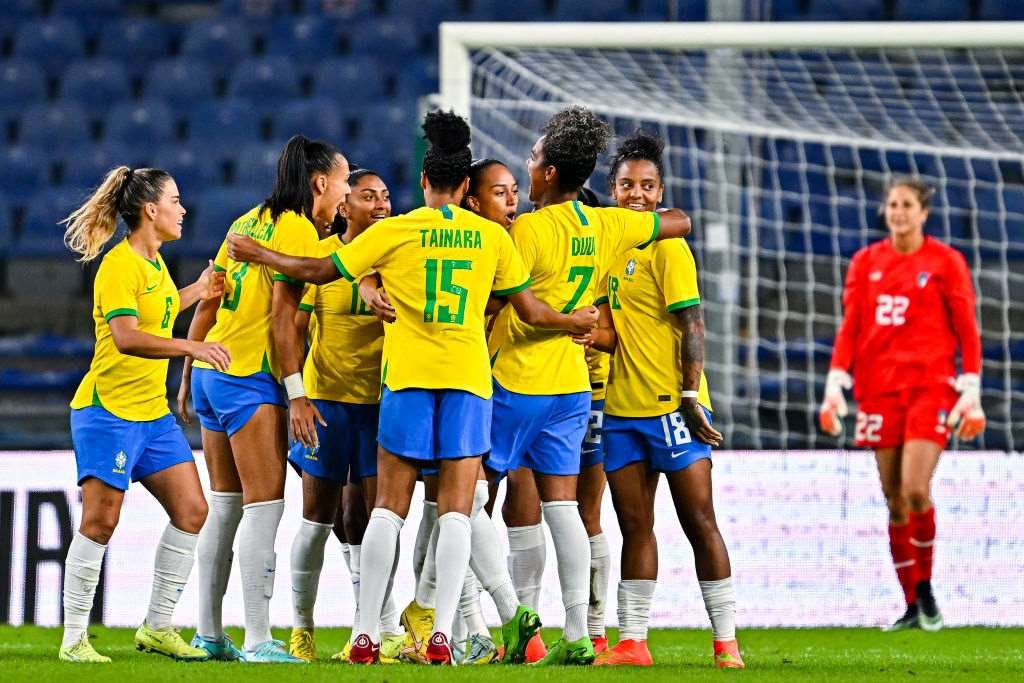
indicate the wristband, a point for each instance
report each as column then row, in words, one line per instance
column 689, row 394
column 293, row 386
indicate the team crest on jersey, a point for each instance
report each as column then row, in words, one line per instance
column 120, row 460
column 630, row 266
column 922, row 279
column 875, row 276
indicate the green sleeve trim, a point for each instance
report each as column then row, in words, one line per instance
column 512, row 290
column 671, row 308
column 278, row 277
column 341, row 267
column 120, row 311
column 219, row 269
column 308, row 308
column 654, row 233
column 601, row 300
column 579, row 213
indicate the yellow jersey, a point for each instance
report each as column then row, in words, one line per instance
column 130, row 387
column 643, row 290
column 345, row 341
column 566, row 248
column 439, row 267
column 243, row 319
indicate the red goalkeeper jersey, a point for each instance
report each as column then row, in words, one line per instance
column 905, row 315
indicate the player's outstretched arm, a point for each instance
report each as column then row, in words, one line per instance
column 673, row 223
column 132, row 341
column 533, row 311
column 692, row 322
column 209, row 285
column 317, row 271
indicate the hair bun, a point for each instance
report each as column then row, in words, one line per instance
column 446, row 131
column 643, row 145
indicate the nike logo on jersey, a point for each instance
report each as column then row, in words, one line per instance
column 150, row 289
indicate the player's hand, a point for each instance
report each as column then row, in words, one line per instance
column 967, row 418
column 377, row 299
column 833, row 406
column 582, row 320
column 184, row 395
column 697, row 422
column 211, row 282
column 212, row 353
column 244, row 249
column 586, row 340
column 302, row 419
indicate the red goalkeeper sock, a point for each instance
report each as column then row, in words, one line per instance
column 922, row 537
column 904, row 560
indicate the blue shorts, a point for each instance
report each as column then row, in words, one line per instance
column 433, row 424
column 592, row 452
column 663, row 442
column 118, row 452
column 348, row 444
column 544, row 433
column 224, row 403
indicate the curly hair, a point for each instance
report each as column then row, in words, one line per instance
column 446, row 163
column 640, row 146
column 573, row 139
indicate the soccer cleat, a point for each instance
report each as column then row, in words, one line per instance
column 343, row 656
column 929, row 618
column 223, row 650
column 727, row 655
column 269, row 652
column 577, row 653
column 517, row 633
column 908, row 620
column 419, row 625
column 301, row 645
column 391, row 647
column 82, row 652
column 626, row 653
column 600, row 644
column 536, row 650
column 439, row 651
column 478, row 649
column 364, row 650
column 168, row 642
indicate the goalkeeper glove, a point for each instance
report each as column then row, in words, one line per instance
column 967, row 418
column 833, row 407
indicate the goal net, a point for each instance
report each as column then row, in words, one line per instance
column 779, row 141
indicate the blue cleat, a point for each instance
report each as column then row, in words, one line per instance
column 221, row 650
column 269, row 652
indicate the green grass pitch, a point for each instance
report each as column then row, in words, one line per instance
column 30, row 654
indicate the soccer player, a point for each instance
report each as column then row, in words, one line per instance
column 909, row 305
column 541, row 384
column 658, row 415
column 440, row 265
column 342, row 378
column 121, row 427
column 242, row 410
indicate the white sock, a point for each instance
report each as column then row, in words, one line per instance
column 307, row 562
column 355, row 569
column 573, row 553
column 378, row 558
column 81, row 574
column 634, row 608
column 213, row 560
column 600, row 565
column 459, row 630
column 453, row 545
column 489, row 568
column 470, row 610
column 720, row 602
column 423, row 532
column 347, row 554
column 389, row 615
column 173, row 564
column 257, row 563
column 426, row 587
column 527, row 554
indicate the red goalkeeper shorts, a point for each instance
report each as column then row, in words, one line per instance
column 889, row 420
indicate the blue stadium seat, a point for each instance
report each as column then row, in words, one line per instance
column 255, row 9
column 17, row 10
column 89, row 15
column 915, row 10
column 996, row 10
column 6, row 225
column 96, row 84
column 419, row 78
column 142, row 124
column 25, row 172
column 22, row 82
column 314, row 118
column 215, row 211
column 256, row 166
column 266, row 82
column 423, row 14
column 393, row 39
column 193, row 170
column 307, row 40
column 136, row 43
column 222, row 127
column 340, row 11
column 592, row 10
column 180, row 83
column 42, row 235
column 220, row 43
column 87, row 167
column 54, row 127
column 355, row 79
column 50, row 43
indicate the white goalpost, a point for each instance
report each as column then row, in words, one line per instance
column 779, row 138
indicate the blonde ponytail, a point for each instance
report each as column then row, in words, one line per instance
column 91, row 225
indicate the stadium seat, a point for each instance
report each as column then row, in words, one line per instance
column 256, row 167
column 215, row 211
column 89, row 15
column 136, row 43
column 419, row 78
column 222, row 127
column 60, row 127
column 6, row 225
column 142, row 124
column 996, row 10
column 220, row 43
column 42, row 235
column 18, row 10
column 266, row 82
column 314, row 118
column 87, row 167
column 25, row 173
column 369, row 36
column 96, row 84
column 255, row 9
column 22, row 82
column 50, row 43
column 180, row 83
column 307, row 40
column 193, row 171
column 355, row 79
column 915, row 10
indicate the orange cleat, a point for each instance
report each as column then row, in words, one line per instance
column 626, row 653
column 600, row 643
column 535, row 649
column 727, row 655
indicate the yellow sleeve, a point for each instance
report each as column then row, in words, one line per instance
column 364, row 253
column 511, row 275
column 636, row 229
column 308, row 298
column 220, row 262
column 676, row 274
column 117, row 288
column 294, row 235
column 524, row 237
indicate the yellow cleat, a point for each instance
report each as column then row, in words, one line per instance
column 391, row 647
column 419, row 625
column 343, row 656
column 301, row 645
column 168, row 642
column 82, row 652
